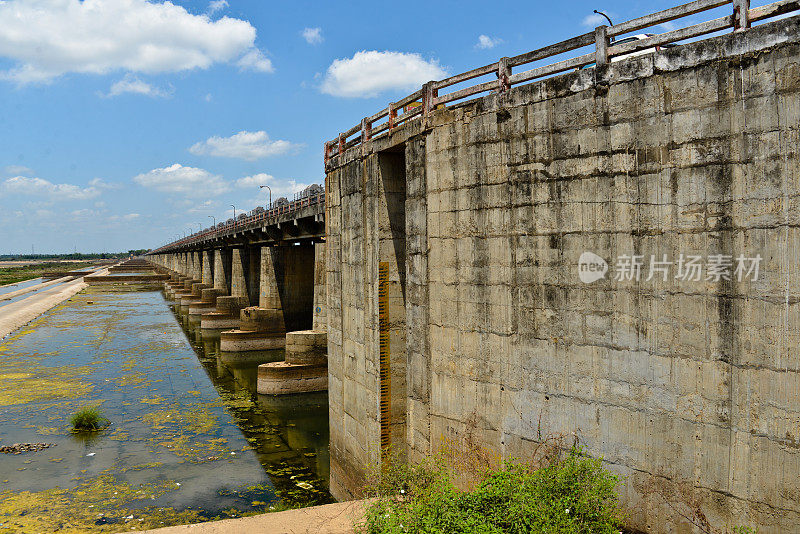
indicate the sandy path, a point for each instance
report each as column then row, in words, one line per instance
column 337, row 518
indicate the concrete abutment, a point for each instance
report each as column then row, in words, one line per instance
column 675, row 382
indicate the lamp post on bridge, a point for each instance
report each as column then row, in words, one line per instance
column 234, row 216
column 269, row 206
column 214, row 219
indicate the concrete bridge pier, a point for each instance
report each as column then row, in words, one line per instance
column 190, row 276
column 261, row 327
column 230, row 277
column 176, row 267
column 305, row 368
column 196, row 286
column 209, row 294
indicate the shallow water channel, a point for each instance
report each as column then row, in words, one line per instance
column 189, row 439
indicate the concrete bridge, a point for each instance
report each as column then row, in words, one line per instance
column 601, row 249
column 259, row 283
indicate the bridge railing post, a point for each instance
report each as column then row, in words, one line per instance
column 429, row 94
column 366, row 135
column 601, row 45
column 392, row 116
column 741, row 15
column 503, row 75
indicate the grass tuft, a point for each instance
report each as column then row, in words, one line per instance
column 88, row 419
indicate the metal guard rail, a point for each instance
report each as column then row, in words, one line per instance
column 426, row 99
column 250, row 222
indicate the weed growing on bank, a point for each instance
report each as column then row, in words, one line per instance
column 572, row 493
column 88, row 419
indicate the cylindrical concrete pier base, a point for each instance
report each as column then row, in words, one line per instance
column 280, row 378
column 305, row 368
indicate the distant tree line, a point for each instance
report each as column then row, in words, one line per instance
column 74, row 255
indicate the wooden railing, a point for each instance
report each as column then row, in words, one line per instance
column 429, row 97
column 246, row 223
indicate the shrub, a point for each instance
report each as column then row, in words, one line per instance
column 89, row 419
column 572, row 494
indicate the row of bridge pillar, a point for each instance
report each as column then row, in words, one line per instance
column 259, row 299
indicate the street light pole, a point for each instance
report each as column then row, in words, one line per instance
column 214, row 219
column 270, row 194
column 607, row 18
column 234, row 216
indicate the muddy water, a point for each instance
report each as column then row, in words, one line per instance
column 189, row 439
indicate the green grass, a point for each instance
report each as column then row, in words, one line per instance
column 572, row 494
column 12, row 275
column 88, row 419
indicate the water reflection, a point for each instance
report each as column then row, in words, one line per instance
column 299, row 422
column 189, row 441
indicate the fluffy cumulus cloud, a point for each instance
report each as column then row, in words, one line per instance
column 312, row 35
column 485, row 42
column 189, row 181
column 48, row 38
column 132, row 84
column 369, row 72
column 44, row 189
column 245, row 145
column 216, row 6
column 279, row 187
column 255, row 60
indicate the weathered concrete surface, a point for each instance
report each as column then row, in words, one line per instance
column 305, row 368
column 337, row 518
column 689, row 388
column 307, row 347
column 282, row 378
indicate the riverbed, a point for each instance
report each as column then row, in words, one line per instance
column 188, row 440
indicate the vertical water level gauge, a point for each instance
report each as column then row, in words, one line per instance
column 383, row 342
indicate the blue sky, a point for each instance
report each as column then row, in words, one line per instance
column 125, row 123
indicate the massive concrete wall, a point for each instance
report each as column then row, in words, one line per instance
column 690, row 388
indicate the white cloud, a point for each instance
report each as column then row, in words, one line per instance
column 126, row 217
column 279, row 187
column 255, row 180
column 369, row 72
column 48, row 38
column 208, row 97
column 16, row 170
column 244, row 145
column 594, row 20
column 84, row 213
column 99, row 183
column 255, row 60
column 23, row 185
column 132, row 84
column 485, row 42
column 312, row 35
column 189, row 181
column 215, row 6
